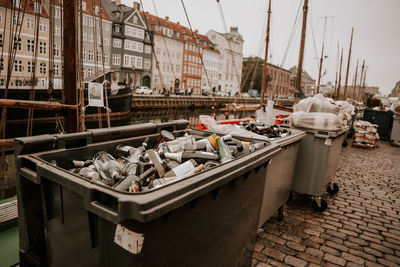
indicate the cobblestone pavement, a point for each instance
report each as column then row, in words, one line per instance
column 361, row 226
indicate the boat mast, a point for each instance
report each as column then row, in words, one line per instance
column 322, row 57
column 70, row 64
column 264, row 78
column 361, row 78
column 337, row 66
column 354, row 84
column 348, row 65
column 301, row 54
column 340, row 76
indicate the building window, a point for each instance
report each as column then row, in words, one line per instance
column 57, row 30
column 43, row 26
column 17, row 44
column 99, row 57
column 2, row 64
column 84, row 20
column 57, row 13
column 106, row 58
column 84, row 54
column 84, row 36
column 31, row 66
column 18, row 65
column 106, row 41
column 116, row 59
column 90, row 72
column 83, row 5
column 147, row 49
column 117, row 43
column 42, row 47
column 90, row 22
column 117, row 29
column 90, row 55
column 1, row 40
column 178, row 68
column 56, row 50
column 30, row 45
column 90, row 37
column 146, row 64
column 30, row 24
column 127, row 61
column 17, row 20
column 56, row 70
column 42, row 68
column 139, row 62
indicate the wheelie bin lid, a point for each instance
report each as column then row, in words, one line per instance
column 324, row 134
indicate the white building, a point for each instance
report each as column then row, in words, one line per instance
column 230, row 46
column 210, row 75
column 168, row 48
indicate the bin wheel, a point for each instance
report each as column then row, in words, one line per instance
column 290, row 197
column 280, row 213
column 319, row 208
column 332, row 189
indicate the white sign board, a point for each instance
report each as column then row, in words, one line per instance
column 95, row 93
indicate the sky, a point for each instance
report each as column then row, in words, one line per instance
column 376, row 32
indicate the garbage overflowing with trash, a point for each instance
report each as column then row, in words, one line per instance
column 365, row 134
column 169, row 159
column 322, row 113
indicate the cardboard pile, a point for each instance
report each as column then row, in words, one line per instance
column 365, row 134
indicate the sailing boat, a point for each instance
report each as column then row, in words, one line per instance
column 32, row 66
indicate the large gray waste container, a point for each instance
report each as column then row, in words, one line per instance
column 279, row 178
column 208, row 219
column 316, row 164
column 395, row 134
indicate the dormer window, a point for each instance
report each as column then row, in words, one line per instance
column 135, row 19
column 37, row 7
column 116, row 14
column 84, row 5
column 96, row 9
column 17, row 3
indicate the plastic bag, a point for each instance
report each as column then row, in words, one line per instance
column 317, row 121
column 235, row 130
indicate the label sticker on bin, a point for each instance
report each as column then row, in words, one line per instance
column 128, row 240
column 328, row 141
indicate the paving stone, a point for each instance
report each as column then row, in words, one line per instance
column 291, row 237
column 337, row 246
column 285, row 249
column 370, row 239
column 260, row 257
column 258, row 247
column 392, row 258
column 393, row 241
column 272, row 262
column 295, row 246
column 262, row 264
column 330, row 250
column 358, row 241
column 381, row 248
column 273, row 253
column 352, row 258
column 335, row 260
column 374, row 252
column 308, row 258
column 391, row 245
column 387, row 263
column 315, row 252
column 377, row 227
column 293, row 261
column 274, row 239
column 362, row 254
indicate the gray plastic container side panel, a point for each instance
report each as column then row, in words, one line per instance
column 323, row 133
column 72, row 140
column 333, row 160
column 395, row 134
column 279, row 180
column 34, row 144
column 311, row 164
column 216, row 229
column 121, row 132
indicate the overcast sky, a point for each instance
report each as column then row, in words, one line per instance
column 376, row 32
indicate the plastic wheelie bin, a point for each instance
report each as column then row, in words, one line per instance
column 316, row 165
column 383, row 118
column 208, row 219
column 279, row 178
column 395, row 134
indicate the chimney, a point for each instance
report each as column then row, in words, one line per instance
column 234, row 29
column 196, row 31
column 166, row 18
column 117, row 2
column 178, row 23
column 136, row 6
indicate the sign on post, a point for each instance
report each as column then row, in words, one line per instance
column 95, row 93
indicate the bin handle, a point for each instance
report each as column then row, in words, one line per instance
column 110, row 213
